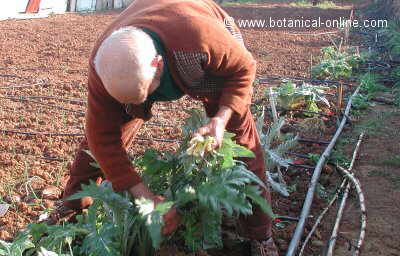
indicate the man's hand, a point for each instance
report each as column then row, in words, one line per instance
column 216, row 126
column 171, row 218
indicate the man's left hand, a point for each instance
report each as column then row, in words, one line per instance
column 216, row 126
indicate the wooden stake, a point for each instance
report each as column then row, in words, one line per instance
column 340, row 97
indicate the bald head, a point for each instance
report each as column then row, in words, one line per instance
column 127, row 63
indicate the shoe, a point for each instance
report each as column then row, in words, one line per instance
column 263, row 248
column 62, row 214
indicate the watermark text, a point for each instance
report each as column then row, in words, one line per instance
column 305, row 23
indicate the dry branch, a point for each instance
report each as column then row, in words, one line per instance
column 361, row 199
column 332, row 241
column 321, row 216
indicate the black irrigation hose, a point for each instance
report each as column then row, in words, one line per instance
column 280, row 78
column 80, row 135
column 43, row 104
column 79, row 101
column 19, row 86
column 294, row 243
column 302, row 166
column 309, row 141
column 43, row 134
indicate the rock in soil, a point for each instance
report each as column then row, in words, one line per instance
column 3, row 209
column 51, row 193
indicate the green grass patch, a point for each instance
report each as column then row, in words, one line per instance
column 322, row 5
column 238, row 2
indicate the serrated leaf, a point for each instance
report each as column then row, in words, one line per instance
column 17, row 247
column 276, row 186
column 277, row 158
column 255, row 194
column 44, row 252
column 153, row 217
column 101, row 241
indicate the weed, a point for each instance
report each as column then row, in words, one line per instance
column 339, row 158
column 393, row 33
column 58, row 173
column 236, row 2
column 397, row 98
column 308, row 3
column 314, row 158
column 395, row 76
column 360, row 102
column 370, row 84
column 321, row 191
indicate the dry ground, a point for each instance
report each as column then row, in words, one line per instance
column 43, row 67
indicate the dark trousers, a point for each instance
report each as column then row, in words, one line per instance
column 256, row 226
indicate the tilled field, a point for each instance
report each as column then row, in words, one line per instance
column 43, row 67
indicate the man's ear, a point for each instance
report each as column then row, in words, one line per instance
column 157, row 61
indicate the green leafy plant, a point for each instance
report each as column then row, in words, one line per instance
column 16, row 248
column 314, row 157
column 360, row 102
column 201, row 186
column 339, row 158
column 337, row 63
column 275, row 151
column 397, row 97
column 291, row 96
column 370, row 85
column 395, row 76
column 308, row 3
column 393, row 34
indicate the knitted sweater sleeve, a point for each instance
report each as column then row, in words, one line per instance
column 104, row 122
column 230, row 60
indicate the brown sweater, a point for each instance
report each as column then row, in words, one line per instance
column 207, row 60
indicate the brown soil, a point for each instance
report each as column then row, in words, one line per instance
column 379, row 174
column 43, row 68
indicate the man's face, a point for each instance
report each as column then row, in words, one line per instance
column 147, row 87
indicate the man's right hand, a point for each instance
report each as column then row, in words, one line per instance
column 171, row 218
